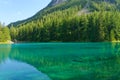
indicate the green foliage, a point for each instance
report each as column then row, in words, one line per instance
column 91, row 5
column 93, row 27
column 65, row 22
column 4, row 34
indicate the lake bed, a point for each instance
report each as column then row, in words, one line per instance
column 60, row 61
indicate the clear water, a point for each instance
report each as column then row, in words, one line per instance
column 60, row 61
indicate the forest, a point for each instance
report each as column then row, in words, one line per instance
column 4, row 33
column 98, row 26
column 66, row 23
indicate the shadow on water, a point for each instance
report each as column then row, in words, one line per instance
column 70, row 61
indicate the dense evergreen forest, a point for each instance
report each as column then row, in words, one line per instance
column 71, row 21
column 98, row 26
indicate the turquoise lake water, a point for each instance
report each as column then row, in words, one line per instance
column 60, row 61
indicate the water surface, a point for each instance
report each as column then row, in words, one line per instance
column 60, row 61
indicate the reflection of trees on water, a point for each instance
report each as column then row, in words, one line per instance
column 99, row 61
column 4, row 52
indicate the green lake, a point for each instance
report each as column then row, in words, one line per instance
column 60, row 61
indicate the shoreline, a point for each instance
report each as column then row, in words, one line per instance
column 11, row 42
column 7, row 42
column 115, row 41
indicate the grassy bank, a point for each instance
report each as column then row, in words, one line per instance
column 7, row 42
column 116, row 41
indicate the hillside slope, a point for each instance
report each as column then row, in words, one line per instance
column 39, row 14
column 56, row 5
column 71, row 20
